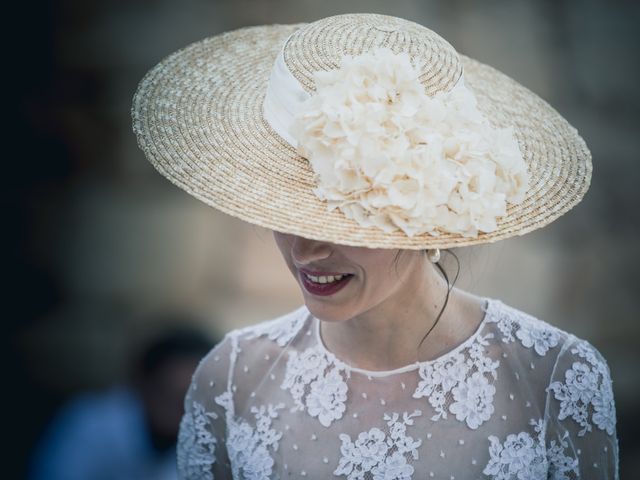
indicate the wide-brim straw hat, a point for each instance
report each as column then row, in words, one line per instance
column 198, row 117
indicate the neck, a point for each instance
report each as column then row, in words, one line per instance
column 389, row 336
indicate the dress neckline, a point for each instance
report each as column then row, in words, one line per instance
column 486, row 308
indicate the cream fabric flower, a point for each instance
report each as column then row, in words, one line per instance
column 388, row 155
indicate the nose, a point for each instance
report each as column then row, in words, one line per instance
column 305, row 251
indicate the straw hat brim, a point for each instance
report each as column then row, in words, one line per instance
column 198, row 118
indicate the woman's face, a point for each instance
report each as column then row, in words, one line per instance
column 340, row 282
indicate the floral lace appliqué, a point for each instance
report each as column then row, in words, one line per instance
column 249, row 448
column 382, row 456
column 524, row 457
column 197, row 445
column 316, row 384
column 586, row 392
column 531, row 333
column 468, row 377
column 281, row 330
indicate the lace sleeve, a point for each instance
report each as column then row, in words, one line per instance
column 201, row 448
column 580, row 417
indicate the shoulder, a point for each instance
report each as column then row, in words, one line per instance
column 517, row 326
column 575, row 372
column 281, row 330
column 118, row 406
column 528, row 336
column 534, row 335
column 115, row 413
column 582, row 389
column 254, row 343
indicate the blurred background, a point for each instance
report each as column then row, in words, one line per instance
column 107, row 259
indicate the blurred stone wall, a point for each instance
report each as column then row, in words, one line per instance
column 117, row 242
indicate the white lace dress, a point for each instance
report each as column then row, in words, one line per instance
column 519, row 399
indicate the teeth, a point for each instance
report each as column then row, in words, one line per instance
column 324, row 278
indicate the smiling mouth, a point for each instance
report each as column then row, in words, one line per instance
column 324, row 283
column 322, row 279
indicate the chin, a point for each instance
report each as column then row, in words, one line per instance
column 328, row 313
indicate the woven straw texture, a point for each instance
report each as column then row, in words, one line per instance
column 198, row 118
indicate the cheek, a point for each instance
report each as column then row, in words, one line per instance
column 378, row 284
column 387, row 273
column 379, row 274
column 283, row 242
column 378, row 266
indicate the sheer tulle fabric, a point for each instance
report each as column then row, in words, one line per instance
column 519, row 399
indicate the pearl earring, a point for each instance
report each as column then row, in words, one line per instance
column 433, row 255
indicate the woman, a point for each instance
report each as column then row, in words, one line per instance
column 367, row 144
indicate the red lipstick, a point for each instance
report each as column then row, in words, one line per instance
column 323, row 289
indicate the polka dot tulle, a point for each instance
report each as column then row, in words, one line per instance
column 519, row 399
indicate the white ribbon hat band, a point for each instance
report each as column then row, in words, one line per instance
column 284, row 100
